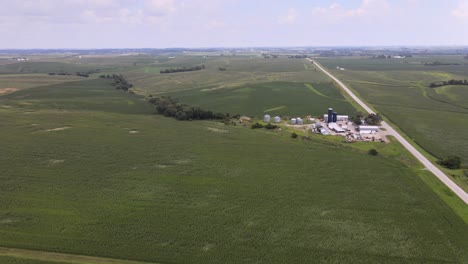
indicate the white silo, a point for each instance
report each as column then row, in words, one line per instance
column 266, row 118
column 299, row 121
column 277, row 119
column 293, row 121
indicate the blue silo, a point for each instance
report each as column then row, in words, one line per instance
column 330, row 115
column 335, row 117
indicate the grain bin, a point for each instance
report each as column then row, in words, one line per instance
column 330, row 115
column 299, row 121
column 293, row 121
column 266, row 118
column 277, row 119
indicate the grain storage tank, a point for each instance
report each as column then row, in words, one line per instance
column 293, row 121
column 266, row 118
column 335, row 117
column 299, row 121
column 277, row 119
column 330, row 115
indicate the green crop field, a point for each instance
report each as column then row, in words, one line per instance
column 89, row 170
column 436, row 118
column 278, row 98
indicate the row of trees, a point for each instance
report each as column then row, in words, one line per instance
column 438, row 63
column 170, row 107
column 267, row 126
column 119, row 82
column 449, row 82
column 371, row 119
column 81, row 74
column 183, row 69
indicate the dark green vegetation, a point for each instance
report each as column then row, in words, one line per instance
column 119, row 82
column 373, row 152
column 449, row 82
column 80, row 74
column 435, row 118
column 451, row 162
column 278, row 98
column 168, row 106
column 88, row 169
column 184, row 69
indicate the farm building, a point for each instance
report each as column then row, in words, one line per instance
column 338, row 117
column 323, row 131
column 368, row 129
column 335, row 127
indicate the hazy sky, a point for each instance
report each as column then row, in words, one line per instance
column 230, row 23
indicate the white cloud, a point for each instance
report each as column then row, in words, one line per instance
column 366, row 8
column 289, row 18
column 160, row 7
column 461, row 12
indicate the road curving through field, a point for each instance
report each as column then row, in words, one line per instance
column 390, row 131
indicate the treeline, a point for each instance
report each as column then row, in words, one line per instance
column 170, row 107
column 303, row 56
column 449, row 82
column 183, row 69
column 81, row 74
column 438, row 63
column 267, row 126
column 119, row 82
column 371, row 119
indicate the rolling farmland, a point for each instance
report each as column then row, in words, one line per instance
column 89, row 170
column 435, row 118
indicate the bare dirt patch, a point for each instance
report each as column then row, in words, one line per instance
column 53, row 162
column 212, row 129
column 133, row 131
column 4, row 91
column 57, row 129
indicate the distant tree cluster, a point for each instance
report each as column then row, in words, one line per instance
column 183, row 69
column 222, row 69
column 451, row 162
column 170, row 107
column 373, row 152
column 371, row 119
column 269, row 56
column 449, row 82
column 81, row 74
column 119, row 82
column 303, row 56
column 438, row 63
